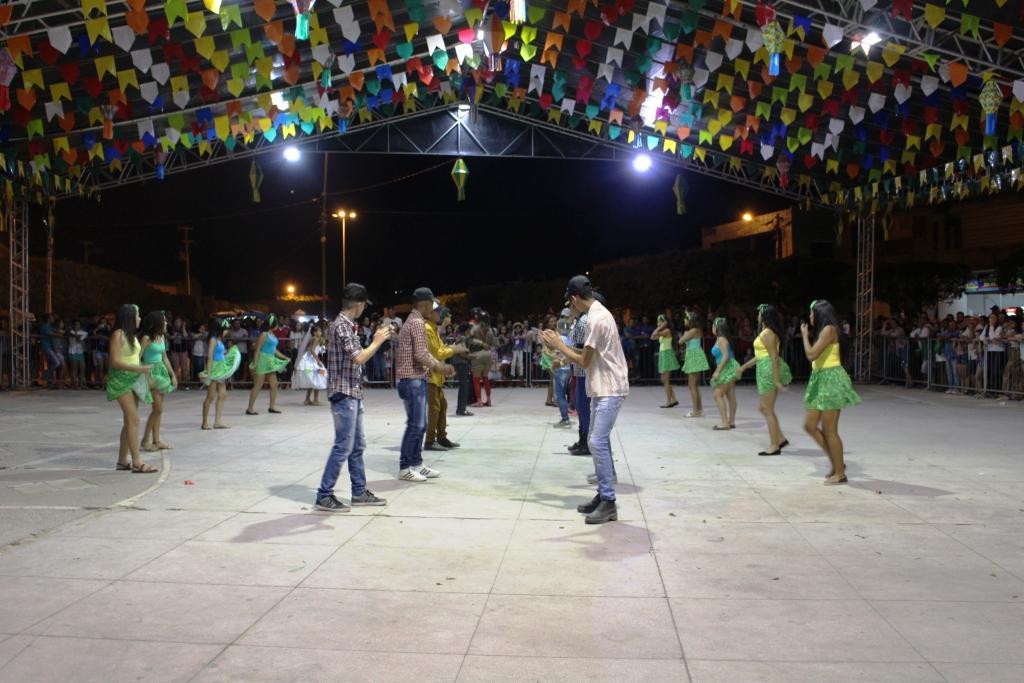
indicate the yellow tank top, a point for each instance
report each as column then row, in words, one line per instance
column 760, row 350
column 130, row 354
column 829, row 358
column 665, row 343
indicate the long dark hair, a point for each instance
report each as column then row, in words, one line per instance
column 125, row 321
column 154, row 325
column 824, row 315
column 771, row 319
column 721, row 328
column 215, row 328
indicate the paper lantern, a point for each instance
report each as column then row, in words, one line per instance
column 460, row 172
column 773, row 37
column 991, row 97
column 783, row 164
column 108, row 112
column 158, row 160
column 302, row 9
column 517, row 11
column 8, row 69
column 494, row 41
column 686, row 82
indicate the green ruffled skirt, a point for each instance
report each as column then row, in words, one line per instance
column 730, row 373
column 268, row 364
column 765, row 381
column 695, row 360
column 162, row 379
column 667, row 361
column 222, row 370
column 120, row 382
column 830, row 389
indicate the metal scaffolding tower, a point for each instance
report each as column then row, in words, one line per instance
column 16, row 223
column 865, row 296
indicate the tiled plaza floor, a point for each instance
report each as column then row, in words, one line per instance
column 724, row 566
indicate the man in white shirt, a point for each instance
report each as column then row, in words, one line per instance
column 607, row 375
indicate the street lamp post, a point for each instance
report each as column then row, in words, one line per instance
column 344, row 215
column 323, row 245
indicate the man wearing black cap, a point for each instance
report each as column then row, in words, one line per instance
column 607, row 386
column 412, row 366
column 345, row 359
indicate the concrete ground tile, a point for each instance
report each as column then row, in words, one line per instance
column 607, row 574
column 710, row 671
column 173, row 612
column 363, row 566
column 787, row 630
column 952, row 577
column 286, row 500
column 967, row 506
column 172, row 525
column 960, row 631
column 751, row 576
column 576, row 627
column 732, row 504
column 300, row 529
column 990, row 673
column 244, row 479
column 80, row 558
column 10, row 647
column 817, row 503
column 902, row 540
column 432, row 623
column 988, row 540
column 239, row 564
column 673, row 534
column 443, row 498
column 176, row 495
column 102, row 661
column 273, row 664
column 568, row 535
column 438, row 533
column 495, row 668
column 25, row 601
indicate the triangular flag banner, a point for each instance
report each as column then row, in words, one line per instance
column 679, row 189
column 255, row 180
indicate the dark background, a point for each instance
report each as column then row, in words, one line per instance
column 523, row 219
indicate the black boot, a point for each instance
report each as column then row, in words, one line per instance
column 587, row 508
column 574, row 447
column 605, row 512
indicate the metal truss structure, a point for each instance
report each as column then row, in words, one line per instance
column 450, row 131
column 865, row 296
column 16, row 223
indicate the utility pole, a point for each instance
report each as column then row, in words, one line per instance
column 49, row 256
column 87, row 245
column 185, row 230
column 323, row 246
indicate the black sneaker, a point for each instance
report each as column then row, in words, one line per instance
column 331, row 504
column 431, row 446
column 447, row 443
column 367, row 499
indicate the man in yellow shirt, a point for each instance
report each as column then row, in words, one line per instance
column 437, row 404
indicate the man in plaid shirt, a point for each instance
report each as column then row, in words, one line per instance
column 345, row 359
column 412, row 366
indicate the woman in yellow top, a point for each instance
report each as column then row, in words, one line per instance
column 773, row 373
column 128, row 382
column 829, row 389
column 667, row 361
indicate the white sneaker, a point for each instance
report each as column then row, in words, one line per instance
column 410, row 474
column 428, row 473
column 695, row 413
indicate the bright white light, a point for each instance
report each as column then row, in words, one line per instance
column 463, row 110
column 292, row 153
column 278, row 100
column 479, row 34
column 865, row 42
column 642, row 163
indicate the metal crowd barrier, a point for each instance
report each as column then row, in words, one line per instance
column 957, row 366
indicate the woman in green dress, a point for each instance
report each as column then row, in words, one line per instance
column 829, row 389
column 162, row 379
column 266, row 362
column 128, row 383
column 665, row 334
column 773, row 373
column 695, row 361
column 727, row 371
column 220, row 367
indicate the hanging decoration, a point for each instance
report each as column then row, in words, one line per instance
column 158, row 161
column 460, row 172
column 686, row 81
column 7, row 71
column 774, row 36
column 255, row 180
column 679, row 189
column 517, row 11
column 108, row 112
column 302, row 9
column 783, row 164
column 991, row 97
column 494, row 42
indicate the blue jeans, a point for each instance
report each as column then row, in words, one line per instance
column 413, row 393
column 561, row 380
column 349, row 444
column 583, row 407
column 603, row 411
column 53, row 361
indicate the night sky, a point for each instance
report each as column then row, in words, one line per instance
column 523, row 219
